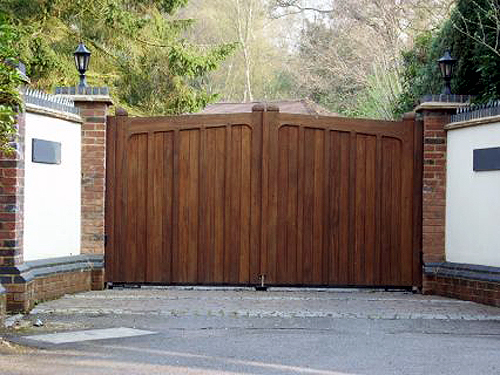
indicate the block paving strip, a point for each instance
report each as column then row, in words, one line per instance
column 282, row 304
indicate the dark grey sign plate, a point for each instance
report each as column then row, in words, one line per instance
column 46, row 152
column 487, row 159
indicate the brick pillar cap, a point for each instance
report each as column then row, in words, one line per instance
column 440, row 106
column 91, row 98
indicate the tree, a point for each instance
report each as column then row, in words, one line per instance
column 138, row 50
column 353, row 49
column 472, row 35
column 10, row 81
column 257, row 69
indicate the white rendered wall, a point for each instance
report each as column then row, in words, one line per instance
column 52, row 191
column 472, row 199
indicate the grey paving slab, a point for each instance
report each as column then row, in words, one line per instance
column 86, row 335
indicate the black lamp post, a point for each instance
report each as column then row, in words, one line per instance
column 446, row 64
column 82, row 58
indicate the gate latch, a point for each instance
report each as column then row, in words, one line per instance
column 261, row 287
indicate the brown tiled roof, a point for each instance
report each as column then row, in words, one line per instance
column 299, row 106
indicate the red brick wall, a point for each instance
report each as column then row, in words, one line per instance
column 23, row 296
column 12, row 200
column 3, row 306
column 93, row 175
column 434, row 185
column 468, row 290
column 18, row 297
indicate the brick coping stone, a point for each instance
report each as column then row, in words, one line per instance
column 463, row 271
column 46, row 267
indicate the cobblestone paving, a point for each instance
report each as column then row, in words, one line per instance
column 273, row 303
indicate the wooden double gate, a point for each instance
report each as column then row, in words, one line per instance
column 303, row 200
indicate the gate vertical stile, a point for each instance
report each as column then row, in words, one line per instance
column 271, row 122
column 378, row 213
column 111, row 181
column 418, row 158
column 260, row 117
column 406, row 256
column 257, row 167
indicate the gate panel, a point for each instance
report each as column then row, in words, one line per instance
column 344, row 202
column 186, row 199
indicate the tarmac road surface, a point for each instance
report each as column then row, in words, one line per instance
column 217, row 331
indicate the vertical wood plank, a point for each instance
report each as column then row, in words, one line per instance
column 326, row 180
column 292, row 207
column 246, row 204
column 167, row 152
column 184, row 190
column 206, row 265
column 203, row 260
column 281, row 243
column 387, row 209
column 344, row 207
column 371, row 203
column 154, row 214
column 228, row 196
column 360, row 211
column 318, row 205
column 397, row 214
column 334, row 208
column 308, row 226
column 300, row 205
column 143, row 173
column 220, row 202
column 352, row 209
column 193, row 206
column 130, row 261
column 176, row 207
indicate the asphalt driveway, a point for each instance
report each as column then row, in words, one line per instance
column 215, row 331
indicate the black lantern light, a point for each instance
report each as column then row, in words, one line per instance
column 446, row 64
column 82, row 58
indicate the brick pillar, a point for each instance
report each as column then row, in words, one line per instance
column 93, row 110
column 435, row 116
column 11, row 218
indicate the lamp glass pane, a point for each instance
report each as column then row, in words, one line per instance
column 81, row 62
column 442, row 67
column 86, row 60
column 449, row 69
